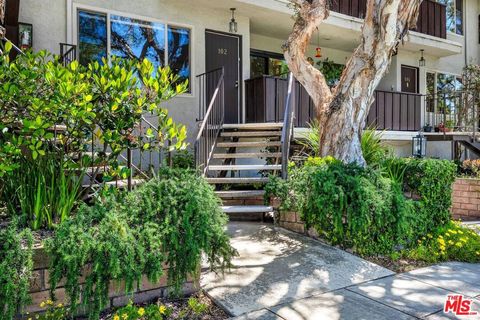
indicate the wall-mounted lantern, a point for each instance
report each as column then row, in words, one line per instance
column 422, row 62
column 419, row 146
column 233, row 25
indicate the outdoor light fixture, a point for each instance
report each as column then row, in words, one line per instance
column 422, row 62
column 419, row 146
column 233, row 23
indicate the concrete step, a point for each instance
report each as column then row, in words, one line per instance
column 236, row 180
column 251, row 134
column 254, row 126
column 120, row 184
column 249, row 144
column 247, row 155
column 240, row 193
column 246, row 209
column 238, row 167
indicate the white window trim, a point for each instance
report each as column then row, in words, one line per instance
column 72, row 33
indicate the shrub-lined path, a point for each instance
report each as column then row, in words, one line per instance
column 283, row 275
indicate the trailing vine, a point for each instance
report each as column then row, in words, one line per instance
column 15, row 269
column 172, row 219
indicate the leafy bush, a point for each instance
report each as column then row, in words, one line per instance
column 101, row 105
column 363, row 209
column 183, row 159
column 449, row 242
column 430, row 182
column 350, row 206
column 172, row 219
column 15, row 270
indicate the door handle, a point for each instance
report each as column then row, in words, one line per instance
column 236, row 84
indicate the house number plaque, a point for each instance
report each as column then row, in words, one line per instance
column 223, row 51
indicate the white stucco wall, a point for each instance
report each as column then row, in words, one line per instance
column 51, row 20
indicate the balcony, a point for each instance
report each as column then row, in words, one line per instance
column 432, row 19
column 391, row 111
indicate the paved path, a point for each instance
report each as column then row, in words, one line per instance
column 283, row 275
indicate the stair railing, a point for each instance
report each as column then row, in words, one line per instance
column 68, row 53
column 287, row 130
column 212, row 118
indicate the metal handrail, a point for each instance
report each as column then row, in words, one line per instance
column 287, row 130
column 212, row 123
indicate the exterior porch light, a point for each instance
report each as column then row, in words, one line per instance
column 422, row 62
column 419, row 146
column 233, row 26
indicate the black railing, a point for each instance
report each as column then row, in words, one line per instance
column 207, row 83
column 212, row 116
column 68, row 53
column 287, row 130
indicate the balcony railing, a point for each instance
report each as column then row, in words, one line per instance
column 265, row 102
column 432, row 19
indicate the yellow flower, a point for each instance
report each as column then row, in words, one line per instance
column 116, row 317
column 49, row 302
column 141, row 312
column 124, row 316
column 450, row 242
column 60, row 305
column 429, row 236
column 162, row 309
column 42, row 304
column 459, row 244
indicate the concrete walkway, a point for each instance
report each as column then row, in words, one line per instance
column 283, row 275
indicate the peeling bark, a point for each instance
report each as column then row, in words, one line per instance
column 2, row 18
column 342, row 111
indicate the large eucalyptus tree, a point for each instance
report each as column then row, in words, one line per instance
column 342, row 110
column 2, row 18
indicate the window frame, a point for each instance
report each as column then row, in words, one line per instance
column 266, row 55
column 454, row 2
column 73, row 36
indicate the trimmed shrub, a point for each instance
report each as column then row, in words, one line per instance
column 365, row 210
column 172, row 219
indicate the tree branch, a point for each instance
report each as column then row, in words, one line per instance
column 309, row 15
column 2, row 18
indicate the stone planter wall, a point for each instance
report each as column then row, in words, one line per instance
column 466, row 199
column 40, row 289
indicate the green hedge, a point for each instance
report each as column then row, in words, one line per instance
column 172, row 219
column 365, row 209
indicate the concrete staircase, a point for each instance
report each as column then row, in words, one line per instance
column 245, row 154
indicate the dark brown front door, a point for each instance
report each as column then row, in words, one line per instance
column 409, row 79
column 223, row 50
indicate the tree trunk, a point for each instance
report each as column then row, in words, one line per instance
column 342, row 111
column 3, row 4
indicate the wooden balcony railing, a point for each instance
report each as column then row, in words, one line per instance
column 265, row 102
column 432, row 19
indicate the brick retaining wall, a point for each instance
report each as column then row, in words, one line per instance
column 40, row 288
column 466, row 199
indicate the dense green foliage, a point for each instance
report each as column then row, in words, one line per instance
column 172, row 219
column 15, row 270
column 101, row 104
column 183, row 159
column 364, row 209
column 448, row 242
column 42, row 190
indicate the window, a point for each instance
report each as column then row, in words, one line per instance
column 92, row 39
column 441, row 92
column 267, row 63
column 454, row 15
column 162, row 44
